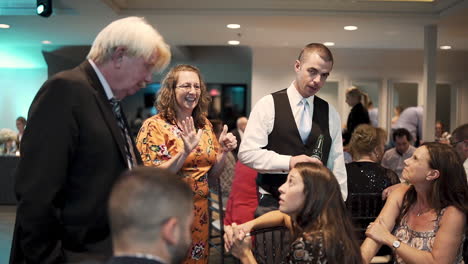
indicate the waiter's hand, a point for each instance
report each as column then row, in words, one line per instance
column 302, row 158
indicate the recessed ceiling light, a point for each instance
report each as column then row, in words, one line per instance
column 233, row 42
column 445, row 47
column 233, row 26
column 329, row 44
column 350, row 28
column 4, row 26
column 46, row 42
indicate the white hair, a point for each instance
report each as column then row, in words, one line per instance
column 138, row 37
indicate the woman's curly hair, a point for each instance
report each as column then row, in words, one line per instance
column 166, row 100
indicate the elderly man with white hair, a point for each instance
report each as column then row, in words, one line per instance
column 77, row 143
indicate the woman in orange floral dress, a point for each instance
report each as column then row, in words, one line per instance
column 180, row 138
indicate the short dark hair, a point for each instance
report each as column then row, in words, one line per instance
column 22, row 120
column 461, row 132
column 142, row 200
column 402, row 132
column 318, row 48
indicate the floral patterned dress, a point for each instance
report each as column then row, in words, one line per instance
column 421, row 240
column 158, row 141
column 308, row 248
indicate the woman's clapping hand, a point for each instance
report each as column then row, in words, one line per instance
column 227, row 140
column 189, row 135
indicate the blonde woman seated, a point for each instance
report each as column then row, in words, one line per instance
column 312, row 208
column 424, row 222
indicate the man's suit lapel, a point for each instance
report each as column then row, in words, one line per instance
column 105, row 107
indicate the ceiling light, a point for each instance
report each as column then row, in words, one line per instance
column 350, row 28
column 329, row 44
column 233, row 26
column 46, row 42
column 445, row 47
column 4, row 26
column 233, row 42
column 44, row 8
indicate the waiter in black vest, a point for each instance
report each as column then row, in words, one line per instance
column 284, row 126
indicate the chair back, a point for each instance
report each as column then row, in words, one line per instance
column 271, row 245
column 364, row 208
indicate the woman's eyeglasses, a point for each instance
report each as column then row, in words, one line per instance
column 187, row 86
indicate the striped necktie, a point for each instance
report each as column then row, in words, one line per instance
column 117, row 109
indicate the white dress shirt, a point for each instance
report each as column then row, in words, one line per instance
column 103, row 80
column 260, row 125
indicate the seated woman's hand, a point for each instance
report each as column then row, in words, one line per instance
column 189, row 135
column 242, row 245
column 235, row 231
column 227, row 141
column 228, row 237
column 378, row 231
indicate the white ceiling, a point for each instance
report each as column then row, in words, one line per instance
column 382, row 24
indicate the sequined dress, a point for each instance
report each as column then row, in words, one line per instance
column 366, row 177
column 369, row 177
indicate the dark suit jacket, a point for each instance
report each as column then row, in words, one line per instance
column 356, row 117
column 71, row 154
column 235, row 132
column 131, row 260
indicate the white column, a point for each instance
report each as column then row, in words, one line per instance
column 427, row 95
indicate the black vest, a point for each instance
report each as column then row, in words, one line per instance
column 285, row 139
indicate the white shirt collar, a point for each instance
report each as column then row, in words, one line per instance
column 103, row 80
column 295, row 97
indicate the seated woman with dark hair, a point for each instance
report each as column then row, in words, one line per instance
column 311, row 206
column 426, row 221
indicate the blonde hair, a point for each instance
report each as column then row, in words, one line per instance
column 356, row 92
column 135, row 34
column 365, row 140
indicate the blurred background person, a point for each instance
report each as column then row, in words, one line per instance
column 373, row 114
column 394, row 158
column 8, row 142
column 181, row 139
column 411, row 119
column 238, row 132
column 312, row 207
column 441, row 135
column 424, row 222
column 459, row 141
column 226, row 176
column 20, row 125
column 356, row 99
column 137, row 122
column 150, row 214
column 396, row 114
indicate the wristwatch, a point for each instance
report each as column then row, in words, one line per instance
column 396, row 244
